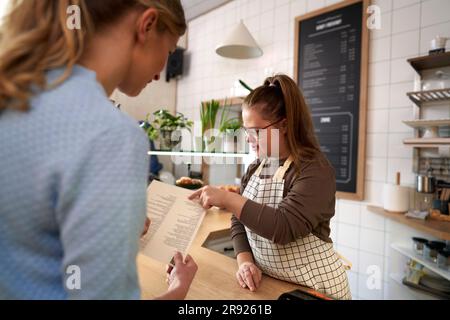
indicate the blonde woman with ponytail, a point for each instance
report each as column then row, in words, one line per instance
column 281, row 221
column 73, row 171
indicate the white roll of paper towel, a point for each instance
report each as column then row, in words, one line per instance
column 396, row 197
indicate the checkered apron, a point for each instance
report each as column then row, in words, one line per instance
column 309, row 261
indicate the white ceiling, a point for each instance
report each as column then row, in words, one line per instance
column 195, row 8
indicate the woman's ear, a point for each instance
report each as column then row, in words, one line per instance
column 147, row 23
column 284, row 126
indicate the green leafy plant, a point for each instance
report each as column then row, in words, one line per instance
column 227, row 123
column 152, row 133
column 224, row 115
column 246, row 86
column 148, row 128
column 208, row 114
column 165, row 121
column 232, row 124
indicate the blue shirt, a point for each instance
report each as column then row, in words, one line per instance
column 73, row 177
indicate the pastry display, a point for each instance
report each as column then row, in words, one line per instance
column 189, row 183
column 231, row 188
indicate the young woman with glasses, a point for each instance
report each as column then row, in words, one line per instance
column 281, row 219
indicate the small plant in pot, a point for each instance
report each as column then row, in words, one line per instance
column 208, row 115
column 228, row 129
column 163, row 127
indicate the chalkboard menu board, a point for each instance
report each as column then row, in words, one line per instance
column 331, row 70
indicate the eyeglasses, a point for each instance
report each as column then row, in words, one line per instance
column 254, row 132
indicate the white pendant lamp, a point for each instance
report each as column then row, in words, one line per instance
column 239, row 44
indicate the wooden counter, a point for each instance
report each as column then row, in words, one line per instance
column 438, row 229
column 215, row 279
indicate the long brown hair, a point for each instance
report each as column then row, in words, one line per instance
column 34, row 38
column 280, row 98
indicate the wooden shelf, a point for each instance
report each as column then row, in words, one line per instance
column 418, row 293
column 423, row 289
column 427, row 143
column 430, row 61
column 421, row 97
column 438, row 229
column 428, row 264
column 427, row 123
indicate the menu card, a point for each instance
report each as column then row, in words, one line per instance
column 175, row 221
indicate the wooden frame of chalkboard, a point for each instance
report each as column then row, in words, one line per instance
column 339, row 117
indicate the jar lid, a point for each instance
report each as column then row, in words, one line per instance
column 445, row 253
column 420, row 240
column 436, row 245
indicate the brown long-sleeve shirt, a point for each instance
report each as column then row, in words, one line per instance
column 307, row 207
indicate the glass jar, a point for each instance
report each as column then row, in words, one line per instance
column 418, row 245
column 423, row 201
column 443, row 259
column 431, row 249
column 440, row 80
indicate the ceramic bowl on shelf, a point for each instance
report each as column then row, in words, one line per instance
column 439, row 43
column 430, row 132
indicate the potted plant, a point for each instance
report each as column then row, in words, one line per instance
column 246, row 86
column 164, row 125
column 228, row 130
column 208, row 115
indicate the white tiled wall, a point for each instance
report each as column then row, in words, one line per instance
column 407, row 28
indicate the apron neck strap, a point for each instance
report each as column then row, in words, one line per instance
column 261, row 166
column 281, row 171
